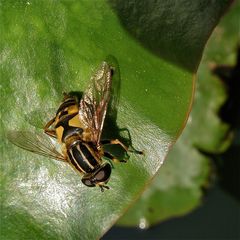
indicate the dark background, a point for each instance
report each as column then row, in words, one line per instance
column 217, row 218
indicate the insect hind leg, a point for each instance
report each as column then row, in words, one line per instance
column 114, row 159
column 118, row 142
column 114, row 142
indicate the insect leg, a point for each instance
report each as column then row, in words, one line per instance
column 114, row 142
column 102, row 187
column 110, row 156
column 134, row 150
column 50, row 132
column 118, row 142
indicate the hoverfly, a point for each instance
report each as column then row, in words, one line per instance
column 77, row 127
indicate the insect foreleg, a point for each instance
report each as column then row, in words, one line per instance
column 48, row 131
column 102, row 187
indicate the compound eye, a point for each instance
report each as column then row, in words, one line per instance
column 88, row 182
column 103, row 174
column 100, row 175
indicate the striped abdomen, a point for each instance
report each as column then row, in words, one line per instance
column 81, row 156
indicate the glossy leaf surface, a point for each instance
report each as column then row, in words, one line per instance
column 54, row 47
column 178, row 187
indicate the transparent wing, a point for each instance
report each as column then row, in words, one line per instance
column 38, row 143
column 94, row 102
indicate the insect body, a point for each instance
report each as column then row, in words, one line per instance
column 77, row 126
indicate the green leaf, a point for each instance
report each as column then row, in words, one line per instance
column 177, row 188
column 50, row 47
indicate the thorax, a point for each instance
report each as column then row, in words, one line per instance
column 67, row 122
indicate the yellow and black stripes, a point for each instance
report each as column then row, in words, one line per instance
column 82, row 157
column 67, row 130
column 71, row 101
